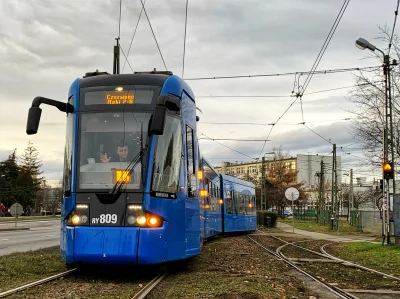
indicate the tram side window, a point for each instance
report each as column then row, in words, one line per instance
column 228, row 201
column 67, row 176
column 190, row 162
column 235, row 202
column 241, row 204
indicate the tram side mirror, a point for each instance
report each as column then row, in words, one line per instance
column 32, row 124
column 171, row 103
column 197, row 118
column 158, row 121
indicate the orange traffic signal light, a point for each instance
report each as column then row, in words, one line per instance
column 388, row 170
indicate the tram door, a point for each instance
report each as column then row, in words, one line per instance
column 192, row 206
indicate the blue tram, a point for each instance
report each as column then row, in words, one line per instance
column 136, row 190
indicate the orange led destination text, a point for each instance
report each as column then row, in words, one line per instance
column 119, row 99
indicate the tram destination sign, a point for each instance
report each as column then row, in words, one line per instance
column 109, row 98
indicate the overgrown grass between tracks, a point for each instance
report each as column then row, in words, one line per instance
column 21, row 268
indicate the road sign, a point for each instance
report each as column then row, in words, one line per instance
column 292, row 193
column 16, row 210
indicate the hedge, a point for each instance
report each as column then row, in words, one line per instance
column 261, row 218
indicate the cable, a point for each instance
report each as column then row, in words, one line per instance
column 184, row 39
column 213, row 139
column 394, row 25
column 228, row 147
column 313, row 69
column 325, row 45
column 126, row 59
column 134, row 34
column 280, row 96
column 323, row 72
column 263, row 124
column 141, row 1
column 317, row 133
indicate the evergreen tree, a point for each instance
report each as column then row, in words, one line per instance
column 31, row 165
column 8, row 177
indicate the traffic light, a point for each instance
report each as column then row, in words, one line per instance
column 388, row 170
column 381, row 184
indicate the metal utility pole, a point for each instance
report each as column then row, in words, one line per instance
column 351, row 197
column 323, row 184
column 351, row 190
column 388, row 137
column 334, row 186
column 116, row 61
column 337, row 208
column 263, row 201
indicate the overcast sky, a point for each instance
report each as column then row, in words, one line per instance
column 45, row 45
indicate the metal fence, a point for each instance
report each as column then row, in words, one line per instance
column 367, row 221
column 322, row 217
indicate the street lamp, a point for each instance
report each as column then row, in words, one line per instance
column 363, row 44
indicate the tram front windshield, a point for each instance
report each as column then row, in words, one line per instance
column 109, row 141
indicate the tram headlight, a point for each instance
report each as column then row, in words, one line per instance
column 79, row 215
column 141, row 220
column 131, row 219
column 76, row 220
column 84, row 219
column 136, row 216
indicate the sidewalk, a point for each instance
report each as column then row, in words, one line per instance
column 320, row 236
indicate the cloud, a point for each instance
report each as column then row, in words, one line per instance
column 47, row 44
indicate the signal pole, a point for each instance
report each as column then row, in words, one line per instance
column 116, row 58
column 334, row 189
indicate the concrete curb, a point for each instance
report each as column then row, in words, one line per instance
column 30, row 220
column 14, row 228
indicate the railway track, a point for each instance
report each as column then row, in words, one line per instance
column 140, row 295
column 335, row 290
column 329, row 256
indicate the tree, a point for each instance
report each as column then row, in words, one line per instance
column 31, row 164
column 8, row 184
column 279, row 178
column 369, row 97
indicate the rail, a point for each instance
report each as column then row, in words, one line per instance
column 150, row 286
column 35, row 283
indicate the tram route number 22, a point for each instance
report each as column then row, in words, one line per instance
column 105, row 218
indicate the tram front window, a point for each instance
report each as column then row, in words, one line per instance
column 108, row 144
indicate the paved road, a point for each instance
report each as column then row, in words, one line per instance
column 42, row 234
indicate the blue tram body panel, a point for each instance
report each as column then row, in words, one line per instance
column 100, row 221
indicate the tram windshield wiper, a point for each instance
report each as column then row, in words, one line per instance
column 128, row 171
